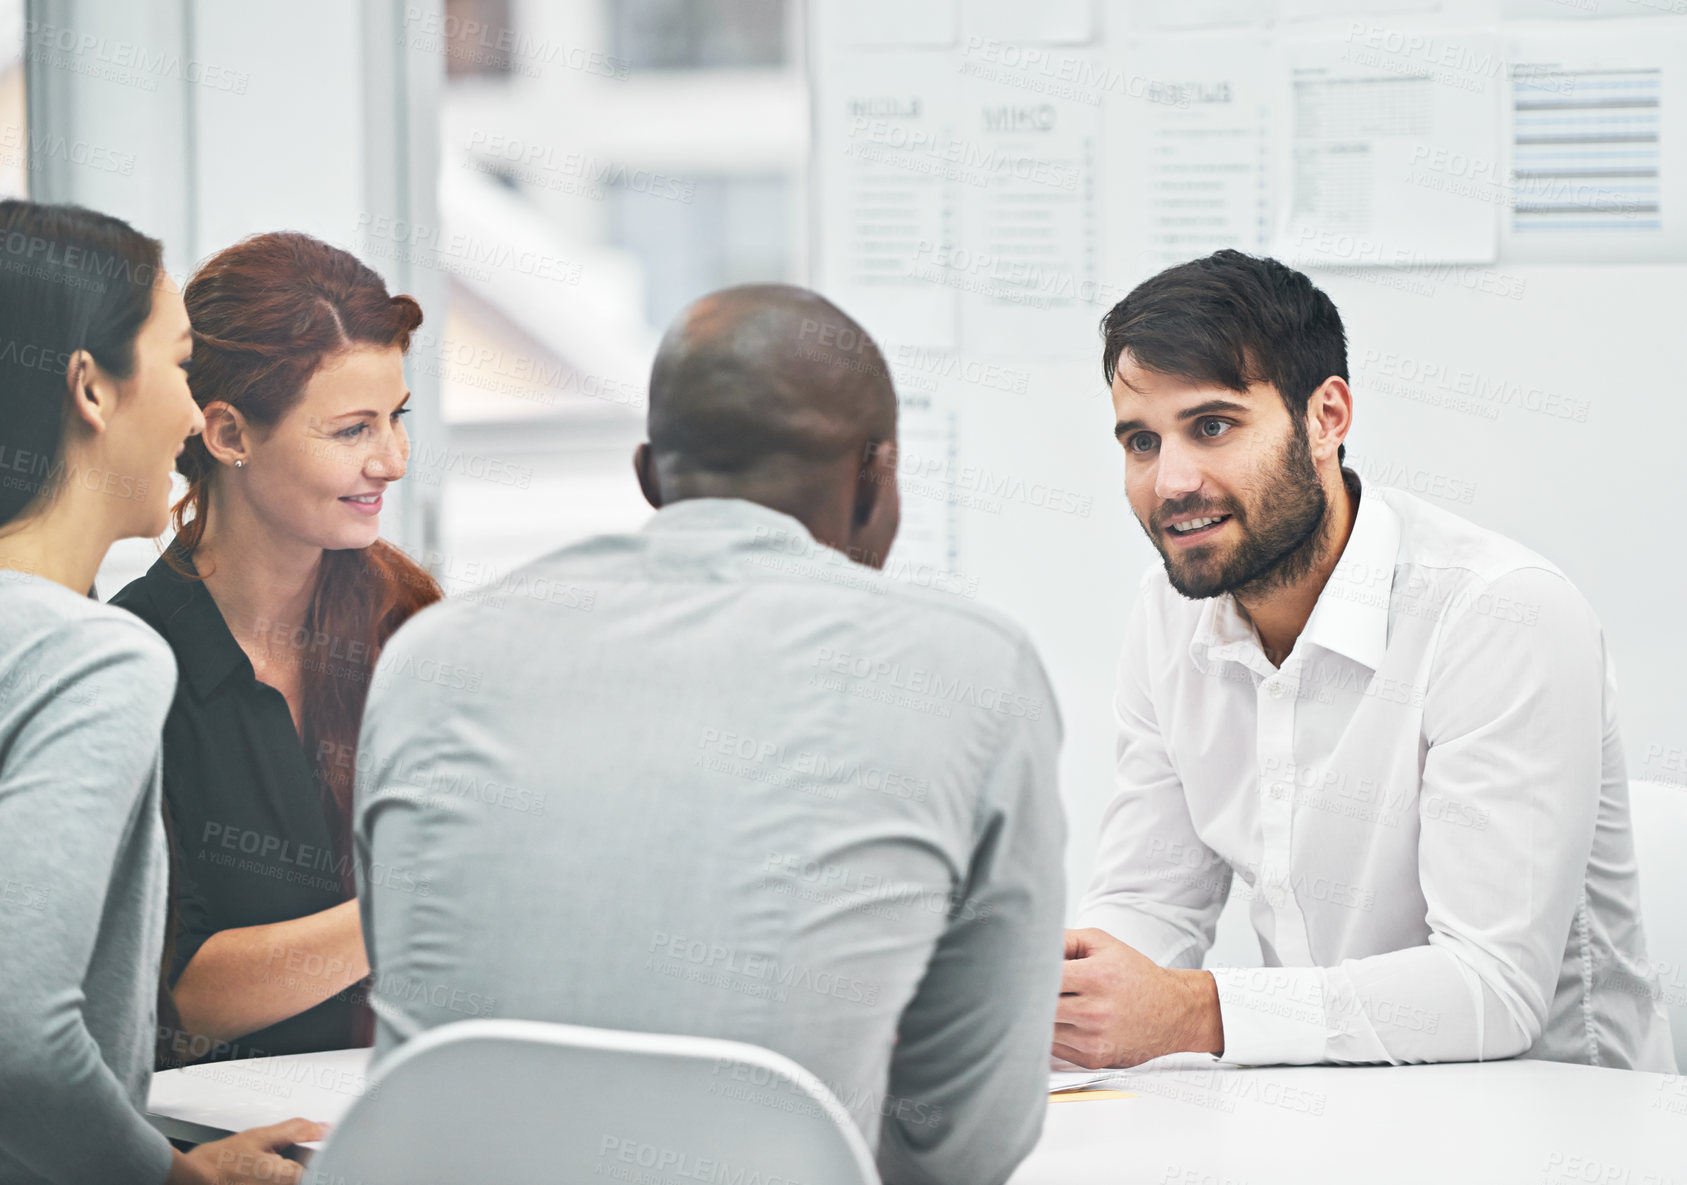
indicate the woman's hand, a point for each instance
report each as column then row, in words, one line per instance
column 251, row 1157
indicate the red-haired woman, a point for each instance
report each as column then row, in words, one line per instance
column 276, row 596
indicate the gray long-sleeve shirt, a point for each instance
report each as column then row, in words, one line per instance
column 83, row 692
column 714, row 779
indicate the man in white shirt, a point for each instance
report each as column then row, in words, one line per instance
column 1397, row 728
column 721, row 777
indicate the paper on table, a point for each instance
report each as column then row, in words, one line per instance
column 1090, row 1096
column 1370, row 117
column 232, row 1096
column 1060, row 1080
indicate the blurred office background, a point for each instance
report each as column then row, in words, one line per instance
column 658, row 148
column 554, row 180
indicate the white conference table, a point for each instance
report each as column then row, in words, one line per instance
column 1200, row 1122
column 1192, row 1121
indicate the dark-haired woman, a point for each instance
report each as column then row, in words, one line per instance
column 94, row 407
column 276, row 597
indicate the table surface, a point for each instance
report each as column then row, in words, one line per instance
column 208, row 1102
column 1192, row 1121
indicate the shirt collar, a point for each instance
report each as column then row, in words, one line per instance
column 1222, row 632
column 1351, row 616
column 206, row 652
column 735, row 515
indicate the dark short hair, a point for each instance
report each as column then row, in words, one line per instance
column 70, row 279
column 1231, row 319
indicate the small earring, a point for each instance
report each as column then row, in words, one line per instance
column 240, row 464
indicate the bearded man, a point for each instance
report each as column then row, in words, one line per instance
column 1397, row 728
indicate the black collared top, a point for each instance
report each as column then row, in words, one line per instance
column 253, row 836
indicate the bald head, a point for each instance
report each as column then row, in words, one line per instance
column 753, row 379
column 770, row 393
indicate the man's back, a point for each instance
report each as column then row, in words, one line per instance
column 714, row 779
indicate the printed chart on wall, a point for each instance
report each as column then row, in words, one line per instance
column 960, row 180
column 883, row 118
column 1598, row 144
column 927, row 551
column 883, row 123
column 1189, row 152
column 1364, row 112
column 1027, row 256
column 955, row 169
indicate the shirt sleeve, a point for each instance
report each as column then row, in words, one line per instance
column 77, row 771
column 193, row 913
column 399, row 732
column 1157, row 886
column 971, row 1059
column 1512, row 728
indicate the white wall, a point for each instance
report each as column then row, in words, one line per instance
column 312, row 115
column 1597, row 495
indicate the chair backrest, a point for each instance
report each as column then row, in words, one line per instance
column 1660, row 844
column 524, row 1102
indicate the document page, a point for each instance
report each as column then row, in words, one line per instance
column 887, row 184
column 1597, row 133
column 1365, row 111
column 1189, row 156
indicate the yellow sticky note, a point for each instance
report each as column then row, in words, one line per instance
column 1067, row 1096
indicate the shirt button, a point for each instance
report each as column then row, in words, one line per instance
column 1276, row 689
column 1274, row 896
column 1278, row 789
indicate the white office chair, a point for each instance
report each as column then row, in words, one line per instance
column 525, row 1102
column 1660, row 842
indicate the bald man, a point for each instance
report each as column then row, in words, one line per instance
column 723, row 777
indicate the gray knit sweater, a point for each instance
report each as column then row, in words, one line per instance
column 83, row 693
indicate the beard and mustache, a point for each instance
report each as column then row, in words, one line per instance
column 1283, row 546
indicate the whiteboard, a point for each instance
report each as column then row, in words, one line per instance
column 1532, row 390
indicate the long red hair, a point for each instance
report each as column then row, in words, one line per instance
column 267, row 312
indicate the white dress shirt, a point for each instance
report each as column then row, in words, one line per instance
column 713, row 778
column 1427, row 805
